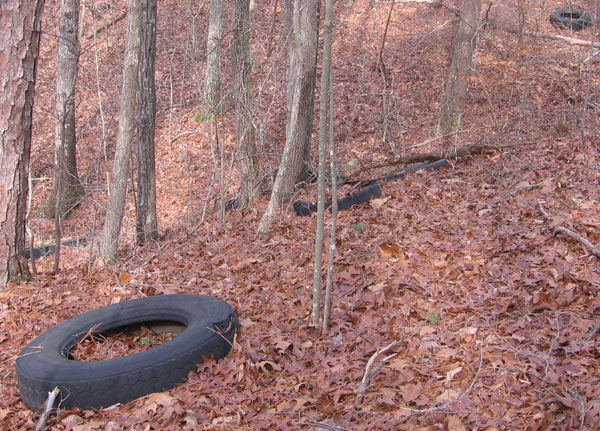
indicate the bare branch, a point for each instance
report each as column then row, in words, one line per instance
column 47, row 409
column 364, row 384
column 107, row 25
column 591, row 248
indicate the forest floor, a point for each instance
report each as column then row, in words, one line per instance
column 495, row 317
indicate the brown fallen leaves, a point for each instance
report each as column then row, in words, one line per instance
column 496, row 319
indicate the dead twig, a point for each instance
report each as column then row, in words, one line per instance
column 47, row 409
column 380, row 62
column 364, row 384
column 107, row 25
column 448, row 404
column 575, row 393
column 591, row 248
column 552, row 347
column 270, row 45
column 592, row 334
column 436, row 138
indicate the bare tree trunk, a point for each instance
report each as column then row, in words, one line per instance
column 323, row 105
column 455, row 94
column 302, row 59
column 118, row 188
column 18, row 61
column 214, row 43
column 146, row 221
column 67, row 196
column 248, row 164
column 334, row 205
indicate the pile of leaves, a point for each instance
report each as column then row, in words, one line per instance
column 492, row 315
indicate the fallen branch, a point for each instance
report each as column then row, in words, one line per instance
column 592, row 335
column 569, row 40
column 364, row 384
column 432, row 156
column 591, row 248
column 47, row 409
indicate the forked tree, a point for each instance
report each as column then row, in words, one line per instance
column 302, row 29
column 455, row 93
column 18, row 60
column 117, row 188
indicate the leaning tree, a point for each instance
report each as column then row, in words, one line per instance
column 117, row 191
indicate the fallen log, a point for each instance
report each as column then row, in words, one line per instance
column 432, row 156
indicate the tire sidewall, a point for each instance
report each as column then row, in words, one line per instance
column 563, row 18
column 43, row 364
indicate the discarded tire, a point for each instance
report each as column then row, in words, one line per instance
column 571, row 19
column 210, row 325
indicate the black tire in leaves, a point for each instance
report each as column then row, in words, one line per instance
column 210, row 325
column 571, row 19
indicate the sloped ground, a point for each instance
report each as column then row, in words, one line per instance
column 495, row 318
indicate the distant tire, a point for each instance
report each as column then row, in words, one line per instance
column 571, row 19
column 44, row 364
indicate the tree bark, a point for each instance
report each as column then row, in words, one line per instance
column 20, row 26
column 247, row 157
column 70, row 191
column 117, row 189
column 455, row 94
column 214, row 43
column 302, row 60
column 146, row 220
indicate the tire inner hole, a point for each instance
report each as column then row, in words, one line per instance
column 124, row 340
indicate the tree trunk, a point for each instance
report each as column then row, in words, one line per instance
column 18, row 60
column 323, row 105
column 290, row 74
column 146, row 221
column 302, row 60
column 455, row 94
column 70, row 191
column 248, row 166
column 117, row 189
column 214, row 43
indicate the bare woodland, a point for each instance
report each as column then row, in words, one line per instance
column 175, row 137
